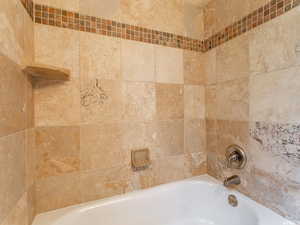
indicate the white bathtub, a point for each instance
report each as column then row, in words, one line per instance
column 197, row 201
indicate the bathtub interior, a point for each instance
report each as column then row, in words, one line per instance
column 197, row 201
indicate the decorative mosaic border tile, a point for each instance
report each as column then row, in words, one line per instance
column 76, row 21
column 43, row 14
column 260, row 16
column 28, row 5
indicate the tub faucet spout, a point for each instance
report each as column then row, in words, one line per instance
column 233, row 180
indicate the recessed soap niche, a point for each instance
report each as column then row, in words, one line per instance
column 140, row 159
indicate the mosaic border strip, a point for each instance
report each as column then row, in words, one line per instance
column 269, row 11
column 28, row 5
column 73, row 20
column 43, row 14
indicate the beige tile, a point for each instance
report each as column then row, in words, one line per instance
column 282, row 32
column 255, row 4
column 138, row 63
column 99, row 57
column 57, row 192
column 274, row 96
column 57, row 103
column 194, row 136
column 139, row 101
column 169, row 65
column 230, row 11
column 101, row 100
column 233, row 59
column 210, row 19
column 194, row 102
column 233, row 100
column 232, row 132
column 160, row 15
column 211, row 136
column 12, row 173
column 173, row 167
column 11, row 28
column 192, row 62
column 100, row 146
column 143, row 179
column 105, row 183
column 169, row 101
column 211, row 101
column 193, row 20
column 208, row 65
column 170, row 137
column 195, row 164
column 109, row 9
column 58, row 150
column 19, row 213
column 139, row 135
column 12, row 97
column 26, row 34
column 30, row 152
column 72, row 5
column 57, row 47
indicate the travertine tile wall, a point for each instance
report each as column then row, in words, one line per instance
column 123, row 95
column 16, row 113
column 252, row 99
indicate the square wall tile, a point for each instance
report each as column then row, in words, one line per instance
column 211, row 101
column 170, row 137
column 58, row 150
column 194, row 136
column 100, row 57
column 169, row 65
column 193, row 68
column 163, row 15
column 57, row 192
column 100, row 146
column 12, row 173
column 233, row 59
column 169, row 101
column 233, row 100
column 98, row 184
column 195, row 164
column 173, row 167
column 194, row 102
column 274, row 97
column 57, row 103
column 138, row 63
column 109, row 9
column 101, row 100
column 57, row 47
column 13, row 111
column 138, row 135
column 273, row 46
column 139, row 101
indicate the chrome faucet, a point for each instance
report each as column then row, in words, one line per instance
column 233, row 180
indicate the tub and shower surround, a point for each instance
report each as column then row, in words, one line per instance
column 123, row 95
column 252, row 100
column 138, row 83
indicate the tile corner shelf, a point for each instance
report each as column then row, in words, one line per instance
column 47, row 72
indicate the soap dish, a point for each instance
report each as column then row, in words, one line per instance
column 140, row 159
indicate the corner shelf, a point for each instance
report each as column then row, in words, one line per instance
column 47, row 72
